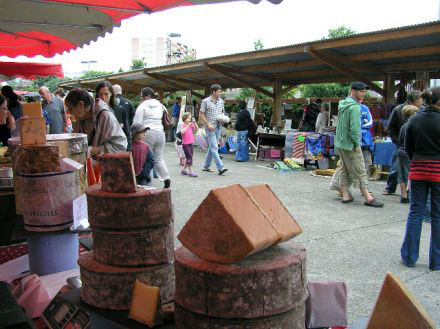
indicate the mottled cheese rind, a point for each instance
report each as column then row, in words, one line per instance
column 396, row 307
column 37, row 159
column 117, row 173
column 32, row 131
column 144, row 303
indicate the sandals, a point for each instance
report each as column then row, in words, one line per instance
column 374, row 203
column 184, row 173
column 207, row 170
column 350, row 199
column 404, row 200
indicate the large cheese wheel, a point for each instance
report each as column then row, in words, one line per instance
column 268, row 283
column 147, row 207
column 293, row 319
column 111, row 287
column 117, row 172
column 148, row 246
column 37, row 159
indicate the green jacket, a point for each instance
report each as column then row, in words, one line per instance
column 348, row 131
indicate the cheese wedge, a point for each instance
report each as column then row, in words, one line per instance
column 32, row 131
column 117, row 173
column 396, row 308
column 144, row 303
column 278, row 215
column 230, row 224
column 32, row 110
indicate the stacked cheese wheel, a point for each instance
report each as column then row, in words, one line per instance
column 266, row 290
column 133, row 240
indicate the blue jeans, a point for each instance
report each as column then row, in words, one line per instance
column 213, row 137
column 411, row 242
column 393, row 175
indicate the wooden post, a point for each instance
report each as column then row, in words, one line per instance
column 207, row 91
column 160, row 92
column 389, row 90
column 276, row 107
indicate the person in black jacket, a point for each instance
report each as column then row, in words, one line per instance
column 245, row 127
column 395, row 123
column 104, row 90
column 124, row 104
column 423, row 148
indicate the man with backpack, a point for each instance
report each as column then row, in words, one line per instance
column 311, row 112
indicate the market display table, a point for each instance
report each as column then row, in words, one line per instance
column 383, row 153
column 267, row 139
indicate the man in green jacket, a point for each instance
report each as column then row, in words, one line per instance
column 348, row 145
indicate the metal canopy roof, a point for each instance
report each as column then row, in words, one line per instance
column 397, row 53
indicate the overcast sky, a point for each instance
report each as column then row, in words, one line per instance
column 221, row 29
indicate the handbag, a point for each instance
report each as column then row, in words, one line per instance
column 167, row 123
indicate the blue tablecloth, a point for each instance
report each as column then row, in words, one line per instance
column 383, row 153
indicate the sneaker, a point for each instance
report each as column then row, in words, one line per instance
column 222, row 171
column 184, row 173
column 207, row 170
column 167, row 183
column 193, row 175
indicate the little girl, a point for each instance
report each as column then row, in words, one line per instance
column 188, row 128
column 143, row 157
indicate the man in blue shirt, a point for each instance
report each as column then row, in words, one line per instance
column 55, row 111
column 176, row 114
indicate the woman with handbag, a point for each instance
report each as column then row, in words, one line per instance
column 154, row 115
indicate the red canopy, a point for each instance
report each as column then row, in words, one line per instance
column 30, row 71
column 50, row 27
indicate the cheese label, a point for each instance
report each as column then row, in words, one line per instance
column 32, row 131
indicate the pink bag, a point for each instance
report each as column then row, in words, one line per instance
column 326, row 305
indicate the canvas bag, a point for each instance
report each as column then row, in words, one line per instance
column 326, row 305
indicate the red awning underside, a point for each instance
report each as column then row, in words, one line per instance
column 30, row 71
column 50, row 27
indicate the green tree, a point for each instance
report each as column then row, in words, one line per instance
column 339, row 32
column 93, row 74
column 138, row 64
column 120, row 70
column 323, row 90
column 258, row 44
column 187, row 58
column 50, row 82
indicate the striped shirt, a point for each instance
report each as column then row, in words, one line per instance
column 425, row 170
column 211, row 109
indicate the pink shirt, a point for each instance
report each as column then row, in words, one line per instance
column 188, row 136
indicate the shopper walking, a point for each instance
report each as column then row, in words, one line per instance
column 395, row 123
column 348, row 145
column 367, row 143
column 211, row 108
column 150, row 113
column 189, row 127
column 54, row 107
column 423, row 148
column 244, row 127
column 322, row 120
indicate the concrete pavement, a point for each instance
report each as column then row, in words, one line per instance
column 348, row 242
